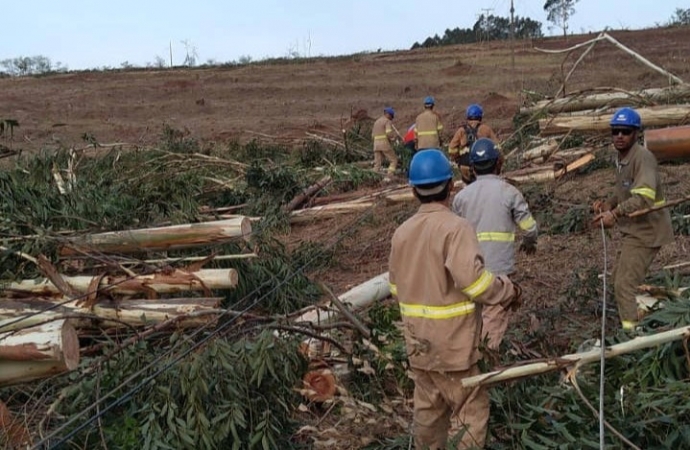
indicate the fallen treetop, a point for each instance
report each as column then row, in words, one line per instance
column 590, row 356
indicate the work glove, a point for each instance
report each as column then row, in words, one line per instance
column 517, row 299
column 600, row 206
column 529, row 246
column 608, row 218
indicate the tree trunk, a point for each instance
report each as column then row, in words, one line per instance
column 309, row 192
column 17, row 314
column 579, row 102
column 548, row 174
column 550, row 365
column 651, row 117
column 358, row 297
column 668, row 143
column 160, row 239
column 38, row 352
column 152, row 285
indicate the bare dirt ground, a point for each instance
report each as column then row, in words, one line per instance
column 285, row 100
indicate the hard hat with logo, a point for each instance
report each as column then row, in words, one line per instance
column 429, row 101
column 390, row 111
column 483, row 151
column 626, row 117
column 474, row 112
column 429, row 170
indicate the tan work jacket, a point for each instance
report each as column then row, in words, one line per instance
column 437, row 274
column 638, row 187
column 458, row 145
column 494, row 208
column 382, row 134
column 427, row 130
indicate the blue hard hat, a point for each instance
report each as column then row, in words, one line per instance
column 484, row 150
column 430, row 166
column 389, row 110
column 475, row 112
column 429, row 101
column 626, row 117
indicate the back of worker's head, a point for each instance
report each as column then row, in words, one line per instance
column 390, row 111
column 474, row 112
column 430, row 175
column 485, row 157
column 429, row 102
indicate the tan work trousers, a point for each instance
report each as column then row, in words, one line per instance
column 495, row 321
column 438, row 401
column 631, row 268
column 390, row 156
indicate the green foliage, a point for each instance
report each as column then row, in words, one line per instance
column 228, row 394
column 314, row 154
column 486, row 28
column 574, row 220
column 559, row 13
column 680, row 217
column 680, row 18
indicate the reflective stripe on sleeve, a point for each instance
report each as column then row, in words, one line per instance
column 645, row 192
column 380, row 137
column 427, row 133
column 527, row 223
column 437, row 312
column 495, row 236
column 480, row 285
column 628, row 325
column 453, row 151
column 661, row 202
column 393, row 288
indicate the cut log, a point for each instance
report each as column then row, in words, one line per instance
column 359, row 297
column 651, row 117
column 38, row 352
column 18, row 314
column 550, row 174
column 668, row 143
column 569, row 154
column 309, row 192
column 579, row 102
column 157, row 283
column 319, row 385
column 160, row 239
column 543, row 150
column 594, row 355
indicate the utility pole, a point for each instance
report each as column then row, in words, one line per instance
column 512, row 36
column 485, row 14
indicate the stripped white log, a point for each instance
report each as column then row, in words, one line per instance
column 591, row 356
column 358, row 297
column 38, row 352
column 158, row 283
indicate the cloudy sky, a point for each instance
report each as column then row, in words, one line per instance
column 95, row 33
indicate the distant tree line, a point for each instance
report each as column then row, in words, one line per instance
column 30, row 65
column 486, row 28
column 681, row 17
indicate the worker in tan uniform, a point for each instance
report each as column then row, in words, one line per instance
column 383, row 134
column 428, row 127
column 438, row 276
column 638, row 187
column 463, row 139
column 495, row 209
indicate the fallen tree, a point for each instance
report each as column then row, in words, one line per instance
column 106, row 313
column 164, row 282
column 651, row 117
column 578, row 359
column 38, row 352
column 162, row 238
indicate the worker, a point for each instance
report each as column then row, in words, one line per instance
column 465, row 137
column 437, row 274
column 428, row 127
column 495, row 209
column 383, row 135
column 637, row 187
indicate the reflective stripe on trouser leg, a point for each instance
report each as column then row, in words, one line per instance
column 631, row 268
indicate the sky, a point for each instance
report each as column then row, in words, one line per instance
column 85, row 34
